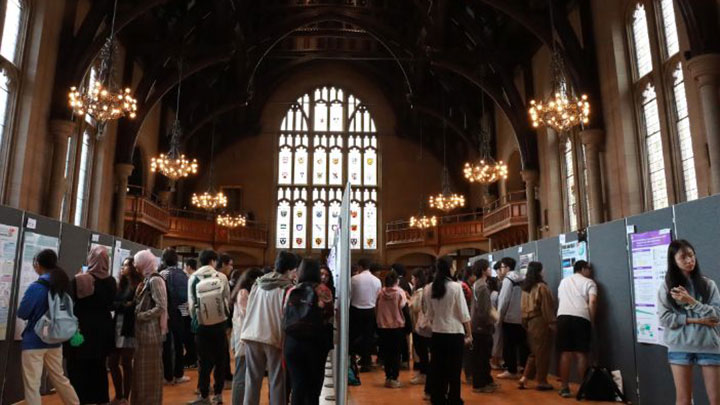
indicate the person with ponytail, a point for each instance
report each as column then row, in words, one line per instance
column 689, row 311
column 448, row 314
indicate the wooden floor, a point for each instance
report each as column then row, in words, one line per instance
column 373, row 392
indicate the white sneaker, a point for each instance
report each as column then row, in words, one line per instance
column 181, row 380
column 418, row 379
column 506, row 375
column 392, row 384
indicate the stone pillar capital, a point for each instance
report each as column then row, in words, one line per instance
column 530, row 177
column 593, row 138
column 62, row 129
column 705, row 69
column 123, row 171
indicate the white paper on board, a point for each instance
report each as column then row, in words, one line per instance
column 95, row 238
column 630, row 229
column 561, row 238
column 31, row 223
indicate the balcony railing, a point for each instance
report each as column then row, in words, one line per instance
column 505, row 213
column 141, row 210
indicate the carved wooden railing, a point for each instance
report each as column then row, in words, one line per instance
column 505, row 213
column 141, row 210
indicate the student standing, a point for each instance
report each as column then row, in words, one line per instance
column 239, row 298
column 151, row 325
column 515, row 347
column 189, row 343
column 391, row 322
column 448, row 313
column 306, row 346
column 94, row 293
column 226, row 267
column 177, row 288
column 124, row 350
column 363, row 296
column 421, row 340
column 483, row 318
column 35, row 352
column 538, row 317
column 689, row 310
column 577, row 301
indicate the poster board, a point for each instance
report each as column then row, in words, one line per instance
column 9, row 238
column 570, row 253
column 525, row 259
column 119, row 256
column 649, row 264
column 342, row 325
column 106, row 242
column 32, row 244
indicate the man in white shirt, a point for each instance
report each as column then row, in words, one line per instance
column 364, row 289
column 577, row 297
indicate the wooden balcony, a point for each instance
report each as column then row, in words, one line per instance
column 505, row 213
column 141, row 210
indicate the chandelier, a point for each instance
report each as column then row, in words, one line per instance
column 563, row 110
column 210, row 200
column 174, row 165
column 422, row 221
column 230, row 221
column 486, row 170
column 102, row 99
column 446, row 200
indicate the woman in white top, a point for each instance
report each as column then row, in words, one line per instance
column 450, row 319
column 239, row 298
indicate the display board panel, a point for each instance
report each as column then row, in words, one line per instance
column 342, row 253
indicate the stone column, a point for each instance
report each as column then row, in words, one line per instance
column 60, row 130
column 594, row 139
column 122, row 172
column 530, row 177
column 554, row 186
column 705, row 71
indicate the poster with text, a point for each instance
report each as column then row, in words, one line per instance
column 525, row 260
column 570, row 253
column 33, row 243
column 649, row 264
column 8, row 249
column 119, row 256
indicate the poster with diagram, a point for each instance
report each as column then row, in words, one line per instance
column 33, row 243
column 570, row 253
column 9, row 236
column 118, row 257
column 649, row 264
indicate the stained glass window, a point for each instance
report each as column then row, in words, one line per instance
column 653, row 146
column 641, row 41
column 669, row 29
column 327, row 138
column 682, row 125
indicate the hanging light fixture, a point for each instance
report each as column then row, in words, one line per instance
column 174, row 165
column 101, row 99
column 563, row 110
column 210, row 200
column 420, row 220
column 231, row 221
column 485, row 170
column 446, row 200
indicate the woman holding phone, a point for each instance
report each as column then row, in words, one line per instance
column 689, row 309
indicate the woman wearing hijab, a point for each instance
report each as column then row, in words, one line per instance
column 93, row 293
column 150, row 327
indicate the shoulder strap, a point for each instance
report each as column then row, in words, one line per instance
column 44, row 282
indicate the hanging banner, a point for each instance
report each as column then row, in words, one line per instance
column 649, row 264
column 570, row 253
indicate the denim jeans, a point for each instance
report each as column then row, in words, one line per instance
column 238, row 382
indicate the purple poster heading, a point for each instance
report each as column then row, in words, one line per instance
column 650, row 239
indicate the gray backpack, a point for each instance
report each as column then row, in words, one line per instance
column 59, row 323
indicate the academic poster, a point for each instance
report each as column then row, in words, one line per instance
column 9, row 236
column 649, row 264
column 33, row 243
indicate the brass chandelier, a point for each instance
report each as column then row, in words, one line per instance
column 174, row 165
column 422, row 221
column 101, row 99
column 210, row 200
column 486, row 170
column 563, row 110
column 231, row 221
column 446, row 200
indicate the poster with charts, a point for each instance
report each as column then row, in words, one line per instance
column 119, row 256
column 32, row 244
column 8, row 250
column 570, row 253
column 649, row 264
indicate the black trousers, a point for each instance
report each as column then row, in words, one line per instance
column 422, row 348
column 515, row 346
column 362, row 333
column 212, row 345
column 390, row 345
column 480, row 360
column 404, row 350
column 305, row 360
column 172, row 355
column 446, row 365
column 189, row 342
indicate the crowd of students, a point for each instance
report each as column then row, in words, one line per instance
column 148, row 327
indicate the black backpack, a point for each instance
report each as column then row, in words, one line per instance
column 599, row 385
column 303, row 318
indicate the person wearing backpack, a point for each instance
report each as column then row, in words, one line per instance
column 94, row 293
column 239, row 298
column 391, row 327
column 515, row 346
column 36, row 353
column 151, row 325
column 177, row 289
column 308, row 333
column 208, row 294
column 263, row 333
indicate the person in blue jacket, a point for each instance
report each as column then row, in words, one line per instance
column 35, row 352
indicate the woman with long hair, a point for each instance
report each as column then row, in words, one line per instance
column 538, row 317
column 122, row 353
column 450, row 319
column 239, row 298
column 94, row 292
column 689, row 309
column 326, row 277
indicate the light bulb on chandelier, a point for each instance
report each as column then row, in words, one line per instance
column 446, row 202
column 423, row 222
column 231, row 221
column 209, row 200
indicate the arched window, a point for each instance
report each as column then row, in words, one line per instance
column 327, row 138
column 661, row 104
column 13, row 17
